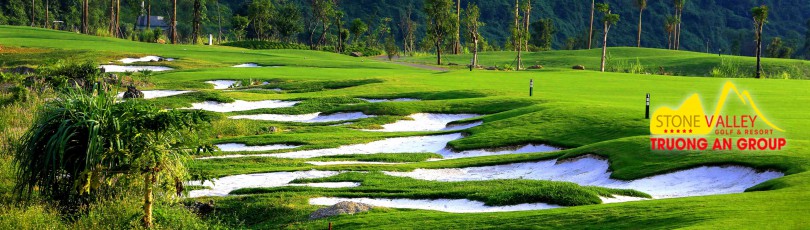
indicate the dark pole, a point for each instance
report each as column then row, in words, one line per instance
column 647, row 113
column 531, row 87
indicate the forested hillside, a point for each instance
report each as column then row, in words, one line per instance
column 706, row 25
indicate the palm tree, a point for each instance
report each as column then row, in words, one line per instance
column 760, row 18
column 80, row 143
column 590, row 35
column 609, row 19
column 641, row 4
column 679, row 4
column 669, row 26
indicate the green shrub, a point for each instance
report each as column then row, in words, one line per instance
column 730, row 68
column 266, row 45
column 367, row 51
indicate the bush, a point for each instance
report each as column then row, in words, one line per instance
column 266, row 45
column 367, row 51
column 63, row 74
column 730, row 68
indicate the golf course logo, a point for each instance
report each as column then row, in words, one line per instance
column 689, row 127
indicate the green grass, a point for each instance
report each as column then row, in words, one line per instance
column 586, row 111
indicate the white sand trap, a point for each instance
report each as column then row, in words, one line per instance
column 247, row 65
column 444, row 205
column 222, row 84
column 590, row 171
column 239, row 105
column 149, row 94
column 121, row 69
column 421, row 144
column 305, row 118
column 389, row 100
column 236, row 147
column 620, row 199
column 144, row 59
column 329, row 185
column 429, row 122
column 223, row 186
column 532, row 148
column 320, row 163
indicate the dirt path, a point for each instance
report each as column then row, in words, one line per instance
column 395, row 60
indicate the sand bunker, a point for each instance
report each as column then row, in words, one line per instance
column 247, row 65
column 418, row 144
column 236, row 147
column 444, row 205
column 320, row 163
column 305, row 118
column 149, row 94
column 144, row 59
column 329, row 185
column 429, row 122
column 590, row 171
column 121, row 69
column 450, row 154
column 239, row 105
column 222, row 84
column 388, row 100
column 421, row 144
column 225, row 185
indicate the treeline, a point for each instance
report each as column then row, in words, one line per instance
column 704, row 25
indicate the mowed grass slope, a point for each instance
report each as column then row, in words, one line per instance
column 586, row 111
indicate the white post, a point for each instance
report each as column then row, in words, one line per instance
column 210, row 39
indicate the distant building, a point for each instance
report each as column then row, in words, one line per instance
column 155, row 22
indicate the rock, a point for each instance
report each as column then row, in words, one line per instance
column 22, row 70
column 273, row 129
column 112, row 79
column 579, row 67
column 132, row 92
column 536, row 67
column 452, row 64
column 492, row 68
column 356, row 54
column 345, row 207
column 201, row 208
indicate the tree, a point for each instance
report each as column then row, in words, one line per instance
column 85, row 20
column 323, row 11
column 641, row 4
column 287, row 21
column 608, row 19
column 457, row 42
column 440, row 23
column 472, row 23
column 260, row 12
column 33, row 14
column 174, row 22
column 407, row 28
column 806, row 50
column 760, row 15
column 544, row 31
column 80, row 144
column 148, row 14
column 357, row 28
column 240, row 25
column 778, row 50
column 527, row 12
column 391, row 49
column 590, row 31
column 198, row 18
